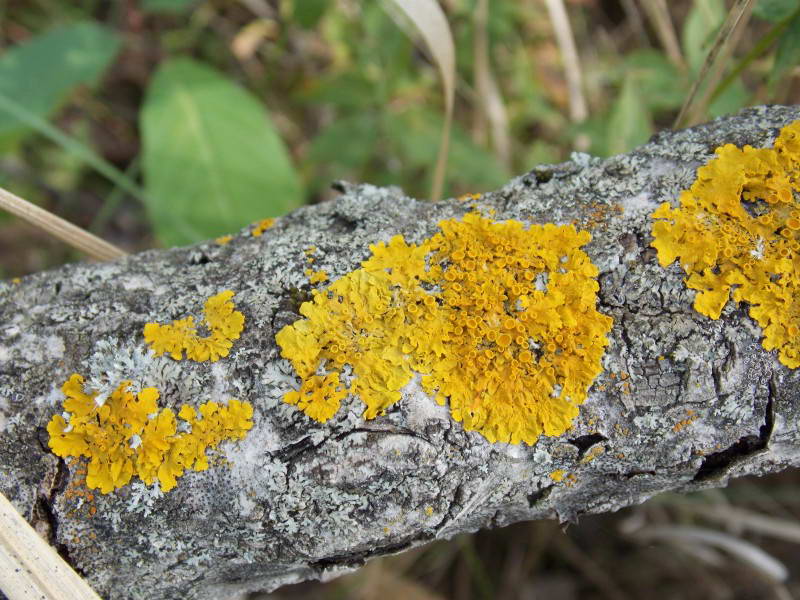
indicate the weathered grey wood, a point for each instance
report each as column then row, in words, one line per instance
column 302, row 500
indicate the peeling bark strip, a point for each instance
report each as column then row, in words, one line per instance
column 683, row 401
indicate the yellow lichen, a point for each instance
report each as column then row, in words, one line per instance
column 319, row 397
column 467, row 197
column 223, row 239
column 500, row 321
column 128, row 436
column 592, row 453
column 222, row 320
column 737, row 231
column 558, row 474
column 316, row 276
column 691, row 417
column 261, row 226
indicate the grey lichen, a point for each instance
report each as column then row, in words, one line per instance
column 683, row 402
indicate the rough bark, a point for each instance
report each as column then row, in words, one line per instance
column 301, row 500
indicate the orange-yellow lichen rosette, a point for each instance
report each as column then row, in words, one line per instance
column 737, row 233
column 127, row 435
column 499, row 320
column 224, row 323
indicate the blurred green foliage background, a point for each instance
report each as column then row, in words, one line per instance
column 165, row 122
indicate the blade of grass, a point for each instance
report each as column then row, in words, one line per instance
column 487, row 92
column 692, row 109
column 260, row 8
column 634, row 17
column 659, row 16
column 70, row 144
column 480, row 43
column 569, row 54
column 59, row 228
column 748, row 553
column 476, row 567
column 431, row 23
column 764, row 44
column 81, row 151
column 113, row 199
column 784, row 529
column 586, row 565
column 737, row 30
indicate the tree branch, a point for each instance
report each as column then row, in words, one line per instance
column 684, row 402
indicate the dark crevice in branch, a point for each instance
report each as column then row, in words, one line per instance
column 451, row 508
column 716, row 464
column 765, row 431
column 632, row 474
column 44, row 509
column 199, row 258
column 584, row 442
column 287, row 453
column 357, row 559
column 539, row 495
column 399, row 431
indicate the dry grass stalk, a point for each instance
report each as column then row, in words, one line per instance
column 490, row 100
column 431, row 23
column 30, row 567
column 569, row 54
column 658, row 13
column 57, row 227
column 693, row 109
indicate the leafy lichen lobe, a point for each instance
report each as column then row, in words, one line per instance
column 223, row 321
column 499, row 319
column 128, row 435
column 737, row 231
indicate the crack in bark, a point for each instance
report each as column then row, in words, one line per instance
column 401, row 431
column 584, row 442
column 716, row 465
column 539, row 495
column 357, row 559
column 43, row 509
column 450, row 516
column 289, row 452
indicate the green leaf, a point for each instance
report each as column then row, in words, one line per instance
column 211, row 157
column 345, row 149
column 166, row 6
column 40, row 73
column 388, row 56
column 659, row 83
column 348, row 141
column 629, row 124
column 775, row 10
column 350, row 90
column 413, row 136
column 70, row 145
column 699, row 29
column 307, row 13
column 787, row 54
